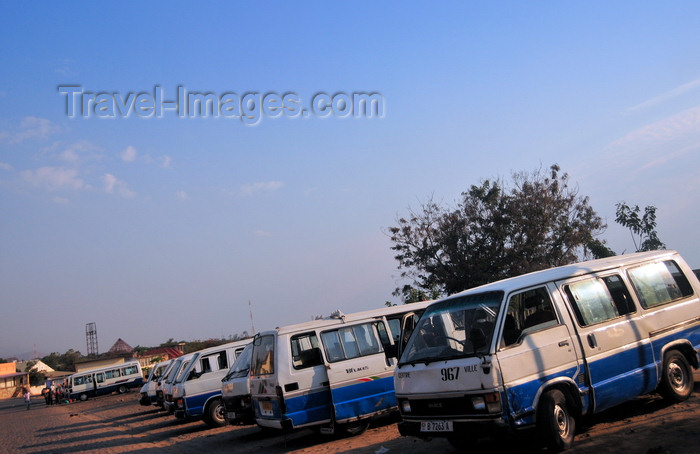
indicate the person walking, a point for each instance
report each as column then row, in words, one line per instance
column 27, row 397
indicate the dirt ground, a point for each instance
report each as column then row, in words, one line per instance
column 118, row 424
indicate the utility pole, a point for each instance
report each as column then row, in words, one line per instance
column 252, row 326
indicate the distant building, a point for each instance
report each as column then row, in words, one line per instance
column 39, row 366
column 150, row 357
column 11, row 381
column 120, row 353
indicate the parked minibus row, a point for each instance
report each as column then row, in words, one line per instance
column 327, row 373
column 537, row 351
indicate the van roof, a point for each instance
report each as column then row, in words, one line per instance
column 565, row 272
column 238, row 343
column 338, row 318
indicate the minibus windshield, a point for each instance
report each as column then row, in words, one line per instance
column 455, row 328
column 241, row 366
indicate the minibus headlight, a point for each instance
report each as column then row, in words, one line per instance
column 488, row 402
column 405, row 406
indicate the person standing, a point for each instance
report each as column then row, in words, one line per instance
column 45, row 393
column 27, row 397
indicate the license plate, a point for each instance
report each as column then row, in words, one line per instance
column 436, row 426
column 231, row 415
column 266, row 408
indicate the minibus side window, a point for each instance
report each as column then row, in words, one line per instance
column 351, row 342
column 528, row 311
column 659, row 283
column 99, row 378
column 305, row 351
column 596, row 300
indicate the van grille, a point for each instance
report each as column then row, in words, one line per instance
column 456, row 406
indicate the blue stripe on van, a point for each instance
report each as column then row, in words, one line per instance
column 307, row 408
column 364, row 398
column 194, row 405
column 521, row 398
column 630, row 373
column 623, row 376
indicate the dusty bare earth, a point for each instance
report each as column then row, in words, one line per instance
column 118, row 424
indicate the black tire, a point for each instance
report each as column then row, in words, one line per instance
column 122, row 389
column 215, row 414
column 83, row 397
column 555, row 423
column 676, row 377
column 356, row 427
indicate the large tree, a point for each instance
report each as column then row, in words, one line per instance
column 495, row 231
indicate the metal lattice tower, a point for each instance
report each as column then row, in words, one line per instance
column 91, row 337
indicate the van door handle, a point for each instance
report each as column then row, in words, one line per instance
column 591, row 341
column 564, row 343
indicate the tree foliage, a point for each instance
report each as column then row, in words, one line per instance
column 642, row 228
column 62, row 362
column 36, row 377
column 494, row 232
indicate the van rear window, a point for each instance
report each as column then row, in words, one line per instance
column 659, row 283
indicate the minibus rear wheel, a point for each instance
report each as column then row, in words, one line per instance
column 555, row 422
column 676, row 378
column 356, row 427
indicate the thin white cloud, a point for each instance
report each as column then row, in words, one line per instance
column 659, row 143
column 78, row 151
column 53, row 178
column 112, row 185
column 666, row 96
column 166, row 162
column 251, row 189
column 128, row 155
column 29, row 128
column 5, row 166
column 182, row 195
column 674, row 127
column 263, row 233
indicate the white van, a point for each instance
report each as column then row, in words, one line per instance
column 543, row 349
column 148, row 390
column 328, row 372
column 235, row 390
column 105, row 380
column 197, row 389
column 176, row 371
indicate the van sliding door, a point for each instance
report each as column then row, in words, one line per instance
column 361, row 381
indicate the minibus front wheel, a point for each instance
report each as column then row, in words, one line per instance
column 555, row 422
column 215, row 414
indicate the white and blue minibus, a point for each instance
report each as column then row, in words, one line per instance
column 541, row 350
column 105, row 380
column 331, row 373
column 196, row 391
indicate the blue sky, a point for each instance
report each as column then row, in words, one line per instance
column 167, row 227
